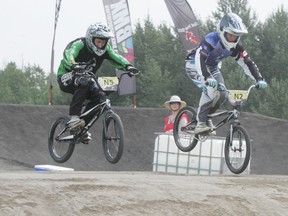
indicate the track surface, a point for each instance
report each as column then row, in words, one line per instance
column 129, row 187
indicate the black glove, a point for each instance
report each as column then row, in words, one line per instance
column 82, row 80
column 78, row 68
column 133, row 71
column 80, row 77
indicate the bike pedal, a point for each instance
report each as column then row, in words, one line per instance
column 86, row 140
column 202, row 138
column 213, row 133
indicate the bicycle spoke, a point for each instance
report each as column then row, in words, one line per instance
column 113, row 138
column 60, row 142
column 184, row 126
column 237, row 150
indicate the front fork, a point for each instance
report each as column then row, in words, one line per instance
column 106, row 116
column 235, row 121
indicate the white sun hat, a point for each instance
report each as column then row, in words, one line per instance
column 175, row 99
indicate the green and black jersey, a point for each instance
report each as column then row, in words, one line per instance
column 77, row 51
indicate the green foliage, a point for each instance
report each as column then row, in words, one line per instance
column 58, row 97
column 274, row 46
column 37, row 84
column 276, row 99
column 160, row 56
column 151, row 84
column 18, row 86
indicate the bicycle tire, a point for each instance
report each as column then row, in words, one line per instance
column 60, row 151
column 184, row 138
column 238, row 152
column 113, row 138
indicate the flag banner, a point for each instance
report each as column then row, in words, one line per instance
column 118, row 20
column 185, row 23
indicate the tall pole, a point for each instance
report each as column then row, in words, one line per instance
column 57, row 10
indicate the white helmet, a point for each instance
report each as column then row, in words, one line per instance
column 101, row 31
column 231, row 23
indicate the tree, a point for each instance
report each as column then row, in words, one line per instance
column 13, row 85
column 274, row 45
column 160, row 56
column 37, row 83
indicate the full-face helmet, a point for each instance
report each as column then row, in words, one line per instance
column 232, row 24
column 100, row 31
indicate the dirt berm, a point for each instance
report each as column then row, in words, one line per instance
column 24, row 135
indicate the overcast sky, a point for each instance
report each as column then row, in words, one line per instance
column 27, row 25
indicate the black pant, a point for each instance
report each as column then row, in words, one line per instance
column 80, row 93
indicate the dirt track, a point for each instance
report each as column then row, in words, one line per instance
column 140, row 193
column 129, row 187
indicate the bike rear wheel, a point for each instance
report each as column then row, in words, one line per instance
column 60, row 147
column 183, row 131
column 113, row 138
column 237, row 150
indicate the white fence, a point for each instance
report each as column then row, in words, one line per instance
column 206, row 158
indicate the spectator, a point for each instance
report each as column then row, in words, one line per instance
column 174, row 105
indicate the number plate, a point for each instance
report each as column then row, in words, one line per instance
column 238, row 95
column 108, row 83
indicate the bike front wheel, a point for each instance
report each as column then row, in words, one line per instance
column 183, row 131
column 60, row 141
column 237, row 149
column 113, row 138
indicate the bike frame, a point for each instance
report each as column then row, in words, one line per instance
column 104, row 107
column 186, row 139
column 230, row 114
column 113, row 130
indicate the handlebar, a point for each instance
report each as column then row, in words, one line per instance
column 106, row 84
column 238, row 98
column 252, row 86
column 87, row 68
column 222, row 87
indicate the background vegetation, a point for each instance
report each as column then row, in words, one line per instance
column 160, row 57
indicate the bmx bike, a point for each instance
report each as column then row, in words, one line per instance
column 62, row 140
column 237, row 147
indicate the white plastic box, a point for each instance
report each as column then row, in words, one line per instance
column 207, row 158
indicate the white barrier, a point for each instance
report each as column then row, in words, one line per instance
column 206, row 158
column 51, row 168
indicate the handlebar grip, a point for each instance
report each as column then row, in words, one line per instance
column 220, row 86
